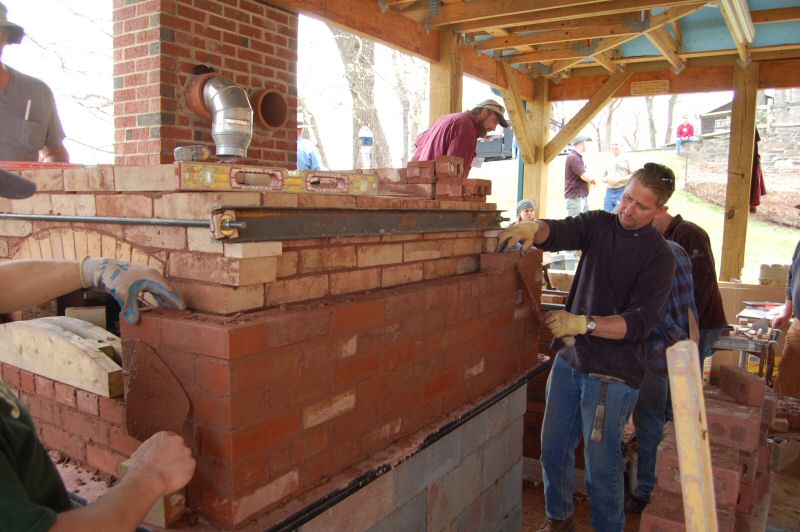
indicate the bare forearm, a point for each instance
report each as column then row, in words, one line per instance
column 694, row 328
column 543, row 233
column 56, row 154
column 610, row 327
column 27, row 283
column 121, row 509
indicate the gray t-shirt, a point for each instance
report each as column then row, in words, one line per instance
column 21, row 139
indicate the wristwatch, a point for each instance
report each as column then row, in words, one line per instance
column 591, row 325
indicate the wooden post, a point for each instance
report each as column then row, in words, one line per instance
column 531, row 127
column 740, row 170
column 691, row 436
column 446, row 77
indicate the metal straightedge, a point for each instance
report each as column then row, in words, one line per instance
column 256, row 224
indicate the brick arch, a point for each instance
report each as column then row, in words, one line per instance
column 68, row 243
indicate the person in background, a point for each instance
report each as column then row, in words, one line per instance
column 788, row 381
column 526, row 211
column 30, row 129
column 684, row 134
column 576, row 179
column 707, row 297
column 616, row 178
column 456, row 134
column 33, row 495
column 621, row 284
column 308, row 157
column 678, row 322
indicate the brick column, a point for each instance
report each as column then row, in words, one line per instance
column 156, row 45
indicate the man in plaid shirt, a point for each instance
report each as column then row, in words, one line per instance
column 678, row 322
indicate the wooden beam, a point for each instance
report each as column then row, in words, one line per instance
column 639, row 19
column 606, row 61
column 782, row 14
column 585, row 115
column 535, row 175
column 480, row 9
column 668, row 47
column 740, row 170
column 740, row 27
column 557, row 36
column 701, row 75
column 520, row 120
column 602, row 46
column 569, row 13
column 484, row 68
column 446, row 77
column 692, row 437
column 568, row 52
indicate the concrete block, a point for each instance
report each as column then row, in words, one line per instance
column 501, row 453
column 512, row 521
column 363, row 509
column 409, row 517
column 449, row 495
column 485, row 426
column 428, row 465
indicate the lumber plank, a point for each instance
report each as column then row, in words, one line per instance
column 446, row 77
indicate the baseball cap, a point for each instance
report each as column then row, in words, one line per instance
column 13, row 186
column 14, row 32
column 492, row 105
column 582, row 138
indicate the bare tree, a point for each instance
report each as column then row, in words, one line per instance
column 648, row 101
column 308, row 115
column 673, row 99
column 410, row 91
column 613, row 105
column 358, row 58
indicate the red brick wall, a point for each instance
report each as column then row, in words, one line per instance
column 283, row 400
column 156, row 45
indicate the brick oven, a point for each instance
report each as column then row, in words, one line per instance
column 306, row 364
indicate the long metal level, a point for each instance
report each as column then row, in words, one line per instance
column 264, row 223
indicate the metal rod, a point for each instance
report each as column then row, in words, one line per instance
column 106, row 220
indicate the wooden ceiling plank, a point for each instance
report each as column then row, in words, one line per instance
column 585, row 115
column 557, row 36
column 783, row 14
column 668, row 47
column 605, row 60
column 569, row 13
column 587, row 22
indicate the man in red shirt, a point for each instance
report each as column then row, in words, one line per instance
column 456, row 134
column 685, row 134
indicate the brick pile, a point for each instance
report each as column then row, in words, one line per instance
column 738, row 414
column 442, row 179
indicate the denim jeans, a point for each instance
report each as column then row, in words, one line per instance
column 575, row 206
column 612, row 199
column 648, row 418
column 572, row 398
column 680, row 142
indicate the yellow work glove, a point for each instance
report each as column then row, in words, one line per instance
column 561, row 323
column 521, row 233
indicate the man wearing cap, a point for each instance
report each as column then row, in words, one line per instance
column 32, row 494
column 576, row 180
column 308, row 156
column 456, row 134
column 31, row 129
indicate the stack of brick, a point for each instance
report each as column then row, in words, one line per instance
column 738, row 414
column 442, row 179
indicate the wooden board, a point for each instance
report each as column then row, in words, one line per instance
column 46, row 349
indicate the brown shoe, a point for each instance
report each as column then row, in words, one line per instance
column 553, row 525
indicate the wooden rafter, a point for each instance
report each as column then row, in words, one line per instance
column 640, row 19
column 567, row 13
column 520, row 120
column 606, row 61
column 783, row 14
column 668, row 47
column 656, row 22
column 585, row 115
column 558, row 36
column 554, row 53
column 740, row 26
column 480, row 9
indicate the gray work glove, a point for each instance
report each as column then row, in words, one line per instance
column 125, row 282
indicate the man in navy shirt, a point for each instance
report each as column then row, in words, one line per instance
column 623, row 279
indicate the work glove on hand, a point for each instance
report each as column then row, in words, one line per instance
column 520, row 233
column 561, row 323
column 125, row 282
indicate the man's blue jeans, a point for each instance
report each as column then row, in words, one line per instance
column 572, row 398
column 680, row 142
column 612, row 199
column 648, row 418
